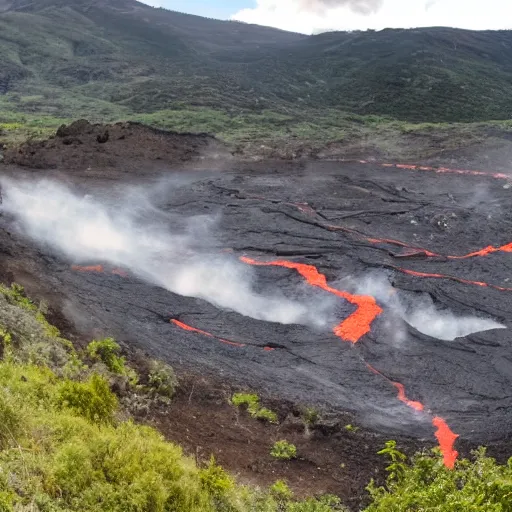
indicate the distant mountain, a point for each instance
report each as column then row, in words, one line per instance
column 110, row 58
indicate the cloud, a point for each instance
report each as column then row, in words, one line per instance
column 313, row 16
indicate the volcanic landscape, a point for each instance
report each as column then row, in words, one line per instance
column 375, row 288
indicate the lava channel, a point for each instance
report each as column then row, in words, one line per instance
column 452, row 278
column 356, row 325
column 100, row 269
column 440, row 170
column 189, row 328
column 445, row 436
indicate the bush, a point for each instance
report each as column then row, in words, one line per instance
column 426, row 484
column 252, row 402
column 107, row 351
column 310, row 416
column 162, row 379
column 215, row 480
column 281, row 491
column 266, row 415
column 92, row 399
column 283, row 450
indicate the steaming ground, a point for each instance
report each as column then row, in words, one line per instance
column 179, row 240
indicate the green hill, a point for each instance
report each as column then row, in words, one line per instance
column 112, row 59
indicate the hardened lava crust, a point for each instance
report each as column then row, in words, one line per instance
column 327, row 231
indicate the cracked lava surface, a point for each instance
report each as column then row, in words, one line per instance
column 432, row 234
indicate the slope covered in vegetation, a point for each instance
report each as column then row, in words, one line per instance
column 108, row 60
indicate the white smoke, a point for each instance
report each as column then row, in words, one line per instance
column 136, row 235
column 420, row 312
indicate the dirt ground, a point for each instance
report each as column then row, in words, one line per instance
column 422, row 229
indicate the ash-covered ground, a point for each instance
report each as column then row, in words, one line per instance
column 156, row 263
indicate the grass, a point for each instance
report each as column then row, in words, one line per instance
column 272, row 133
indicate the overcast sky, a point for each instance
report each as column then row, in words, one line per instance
column 311, row 16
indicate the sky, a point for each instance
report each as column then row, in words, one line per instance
column 313, row 16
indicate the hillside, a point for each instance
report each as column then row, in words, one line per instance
column 110, row 60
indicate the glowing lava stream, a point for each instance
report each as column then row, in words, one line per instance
column 355, row 326
column 100, row 269
column 186, row 327
column 353, row 329
column 444, row 435
column 440, row 170
column 452, row 278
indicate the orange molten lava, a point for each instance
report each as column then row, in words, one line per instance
column 204, row 333
column 446, row 439
column 91, row 268
column 441, row 170
column 417, row 406
column 444, row 435
column 354, row 327
column 120, row 272
column 484, row 252
column 458, row 279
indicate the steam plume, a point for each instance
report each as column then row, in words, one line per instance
column 160, row 248
column 420, row 312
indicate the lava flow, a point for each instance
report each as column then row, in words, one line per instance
column 452, row 278
column 446, row 439
column 358, row 323
column 186, row 327
column 353, row 329
column 90, row 268
column 100, row 269
column 440, row 170
column 445, row 436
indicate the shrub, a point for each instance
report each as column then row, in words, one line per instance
column 266, row 415
column 107, row 351
column 426, row 484
column 92, row 399
column 215, row 480
column 252, row 402
column 281, row 491
column 283, row 450
column 310, row 416
column 162, row 379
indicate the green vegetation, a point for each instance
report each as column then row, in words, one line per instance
column 107, row 351
column 65, row 443
column 65, row 447
column 310, row 416
column 283, row 450
column 162, row 379
column 351, row 428
column 281, row 491
column 252, row 402
column 63, row 61
column 426, row 484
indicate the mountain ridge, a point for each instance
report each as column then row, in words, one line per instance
column 106, row 60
